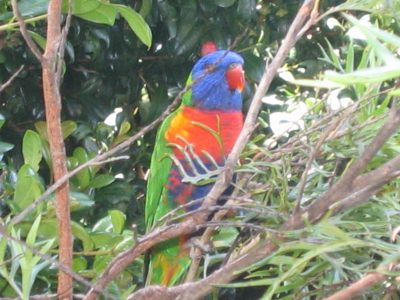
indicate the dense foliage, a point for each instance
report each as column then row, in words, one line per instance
column 118, row 77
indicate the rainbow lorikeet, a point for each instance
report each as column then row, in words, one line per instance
column 192, row 143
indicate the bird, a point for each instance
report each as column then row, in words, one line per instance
column 191, row 146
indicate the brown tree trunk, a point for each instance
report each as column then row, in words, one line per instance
column 52, row 101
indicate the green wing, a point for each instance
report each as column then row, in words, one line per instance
column 168, row 260
column 160, row 166
column 159, row 171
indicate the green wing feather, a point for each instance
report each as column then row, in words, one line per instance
column 159, row 171
column 161, row 165
column 168, row 261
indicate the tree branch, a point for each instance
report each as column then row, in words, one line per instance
column 11, row 79
column 24, row 31
column 358, row 288
column 52, row 99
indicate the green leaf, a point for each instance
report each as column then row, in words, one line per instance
column 225, row 237
column 350, row 58
column 4, row 147
column 301, row 263
column 32, row 234
column 28, row 8
column 371, row 75
column 80, row 232
column 27, row 188
column 374, row 31
column 395, row 92
column 125, row 127
column 103, row 14
column 118, row 220
column 41, row 128
column 103, row 225
column 32, row 149
column 68, row 128
column 79, row 264
column 83, row 176
column 80, row 201
column 101, row 180
column 136, row 23
column 380, row 50
column 2, row 120
column 81, row 6
column 145, row 8
column 41, row 41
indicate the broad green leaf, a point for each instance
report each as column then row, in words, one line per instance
column 27, row 8
column 136, row 23
column 125, row 243
column 103, row 14
column 106, row 240
column 79, row 264
column 103, row 225
column 68, row 128
column 101, row 180
column 118, row 220
column 81, row 6
column 32, row 149
column 27, row 188
column 80, row 201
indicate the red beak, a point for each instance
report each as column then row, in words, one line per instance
column 235, row 77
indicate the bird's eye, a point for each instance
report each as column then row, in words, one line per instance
column 232, row 66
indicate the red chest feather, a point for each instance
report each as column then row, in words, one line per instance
column 212, row 131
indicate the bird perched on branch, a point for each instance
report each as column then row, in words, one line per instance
column 191, row 147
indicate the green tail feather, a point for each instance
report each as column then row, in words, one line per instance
column 168, row 263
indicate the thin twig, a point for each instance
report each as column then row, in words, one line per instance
column 314, row 153
column 216, row 224
column 24, row 31
column 63, row 41
column 11, row 79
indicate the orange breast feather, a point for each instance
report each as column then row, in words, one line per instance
column 212, row 131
